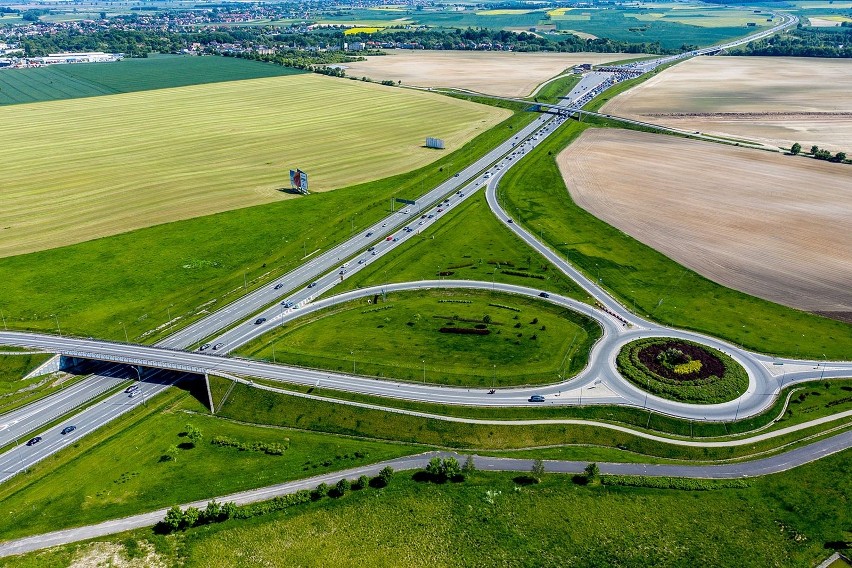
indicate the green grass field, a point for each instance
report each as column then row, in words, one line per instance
column 670, row 27
column 535, row 195
column 469, row 244
column 123, row 468
column 192, row 266
column 790, row 519
column 139, row 159
column 59, row 82
column 13, row 368
column 529, row 342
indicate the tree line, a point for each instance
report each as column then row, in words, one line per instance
column 803, row 42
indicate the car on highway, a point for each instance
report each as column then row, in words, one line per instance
column 259, row 321
column 544, row 295
column 536, row 398
column 287, row 304
column 204, row 347
column 457, row 175
column 312, row 284
column 361, row 261
column 342, row 272
column 131, row 388
column 279, row 286
column 218, row 346
column 370, row 234
column 34, row 441
column 68, row 429
column 389, row 239
column 509, row 221
column 133, row 394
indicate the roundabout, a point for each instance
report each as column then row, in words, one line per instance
column 682, row 370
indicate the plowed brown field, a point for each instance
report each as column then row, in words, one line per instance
column 498, row 73
column 774, row 226
column 776, row 100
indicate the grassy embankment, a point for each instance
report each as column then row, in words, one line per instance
column 794, row 518
column 15, row 391
column 144, row 460
column 808, row 402
column 248, row 404
column 534, row 193
column 523, row 341
column 193, row 266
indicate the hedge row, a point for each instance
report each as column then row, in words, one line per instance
column 177, row 519
column 673, row 482
column 711, row 390
column 273, row 449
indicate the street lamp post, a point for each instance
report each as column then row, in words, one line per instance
column 169, row 311
column 353, row 361
column 141, row 390
column 424, row 371
column 245, row 280
column 494, row 376
column 57, row 325
column 822, row 374
column 126, row 339
column 4, row 320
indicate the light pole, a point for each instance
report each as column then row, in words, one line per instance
column 273, row 353
column 169, row 311
column 737, row 413
column 245, row 280
column 141, row 390
column 126, row 339
column 424, row 371
column 494, row 376
column 4, row 320
column 353, row 361
column 57, row 325
column 822, row 374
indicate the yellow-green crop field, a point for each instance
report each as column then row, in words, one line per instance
column 87, row 168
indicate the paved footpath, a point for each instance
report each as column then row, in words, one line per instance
column 773, row 464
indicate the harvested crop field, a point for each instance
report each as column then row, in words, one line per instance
column 770, row 225
column 88, row 168
column 777, row 100
column 504, row 74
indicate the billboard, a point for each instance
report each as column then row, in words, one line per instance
column 435, row 143
column 299, row 181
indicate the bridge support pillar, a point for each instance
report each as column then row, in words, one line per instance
column 209, row 394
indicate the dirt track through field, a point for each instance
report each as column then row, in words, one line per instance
column 776, row 100
column 504, row 74
column 777, row 227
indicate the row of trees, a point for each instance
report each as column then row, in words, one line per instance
column 471, row 38
column 803, row 42
column 178, row 519
column 819, row 153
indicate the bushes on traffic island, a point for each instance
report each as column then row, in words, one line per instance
column 682, row 370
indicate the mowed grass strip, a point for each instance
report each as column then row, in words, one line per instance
column 93, row 167
column 523, row 341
